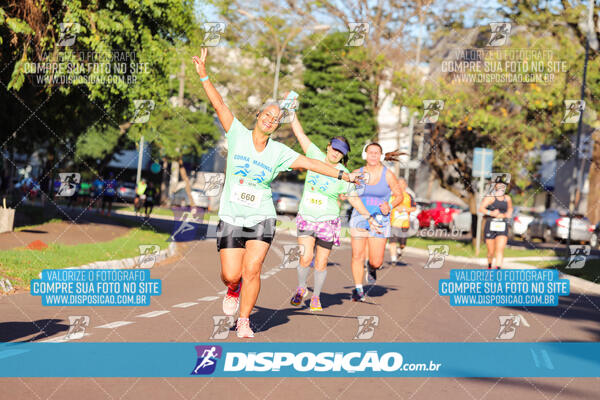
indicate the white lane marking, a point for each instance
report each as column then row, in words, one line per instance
column 153, row 314
column 208, row 298
column 61, row 339
column 185, row 305
column 269, row 273
column 222, row 291
column 115, row 324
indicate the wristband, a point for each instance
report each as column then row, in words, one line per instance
column 340, row 174
column 204, row 79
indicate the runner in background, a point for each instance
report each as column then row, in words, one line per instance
column 382, row 183
column 97, row 190
column 84, row 193
column 246, row 211
column 497, row 207
column 140, row 196
column 110, row 191
column 400, row 221
column 149, row 194
column 318, row 221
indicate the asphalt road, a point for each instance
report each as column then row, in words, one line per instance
column 405, row 300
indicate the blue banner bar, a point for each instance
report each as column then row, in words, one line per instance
column 223, row 359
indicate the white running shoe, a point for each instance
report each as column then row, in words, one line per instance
column 231, row 301
column 243, row 328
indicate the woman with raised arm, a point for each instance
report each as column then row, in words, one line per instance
column 318, row 221
column 247, row 215
column 376, row 199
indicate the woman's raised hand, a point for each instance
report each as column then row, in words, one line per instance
column 199, row 62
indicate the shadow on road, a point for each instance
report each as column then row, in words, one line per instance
column 10, row 331
column 575, row 307
column 540, row 387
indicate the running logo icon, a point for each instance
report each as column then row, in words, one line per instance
column 68, row 183
column 573, row 111
column 358, row 32
column 142, row 111
column 358, row 189
column 212, row 33
column 508, row 326
column 68, row 33
column 213, row 184
column 498, row 184
column 431, row 111
column 183, row 226
column 77, row 326
column 366, row 326
column 222, row 326
column 500, row 34
column 437, row 255
column 577, row 256
column 5, row 286
column 291, row 255
column 148, row 254
column 207, row 359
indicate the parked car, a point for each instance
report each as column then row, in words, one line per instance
column 438, row 214
column 286, row 203
column 126, row 192
column 520, row 221
column 595, row 236
column 551, row 225
column 461, row 221
column 180, row 198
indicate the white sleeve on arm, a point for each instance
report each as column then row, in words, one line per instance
column 236, row 126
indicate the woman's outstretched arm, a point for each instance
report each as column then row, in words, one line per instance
column 300, row 135
column 223, row 112
column 322, row 168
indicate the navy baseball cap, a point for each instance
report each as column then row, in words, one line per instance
column 340, row 146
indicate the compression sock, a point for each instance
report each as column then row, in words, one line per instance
column 302, row 275
column 319, row 281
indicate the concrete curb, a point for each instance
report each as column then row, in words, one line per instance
column 132, row 262
column 128, row 263
column 583, row 285
column 586, row 287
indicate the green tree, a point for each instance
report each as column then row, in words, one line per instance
column 336, row 99
column 50, row 116
column 512, row 119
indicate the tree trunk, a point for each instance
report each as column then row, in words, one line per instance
column 593, row 211
column 188, row 186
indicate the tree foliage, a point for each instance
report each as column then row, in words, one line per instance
column 336, row 98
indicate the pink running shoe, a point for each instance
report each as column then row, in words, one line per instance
column 243, row 328
column 231, row 301
column 298, row 296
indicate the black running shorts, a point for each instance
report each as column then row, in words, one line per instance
column 235, row 237
column 318, row 241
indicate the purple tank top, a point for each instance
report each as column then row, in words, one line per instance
column 376, row 194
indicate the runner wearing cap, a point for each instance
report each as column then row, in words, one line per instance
column 247, row 214
column 497, row 207
column 318, row 221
